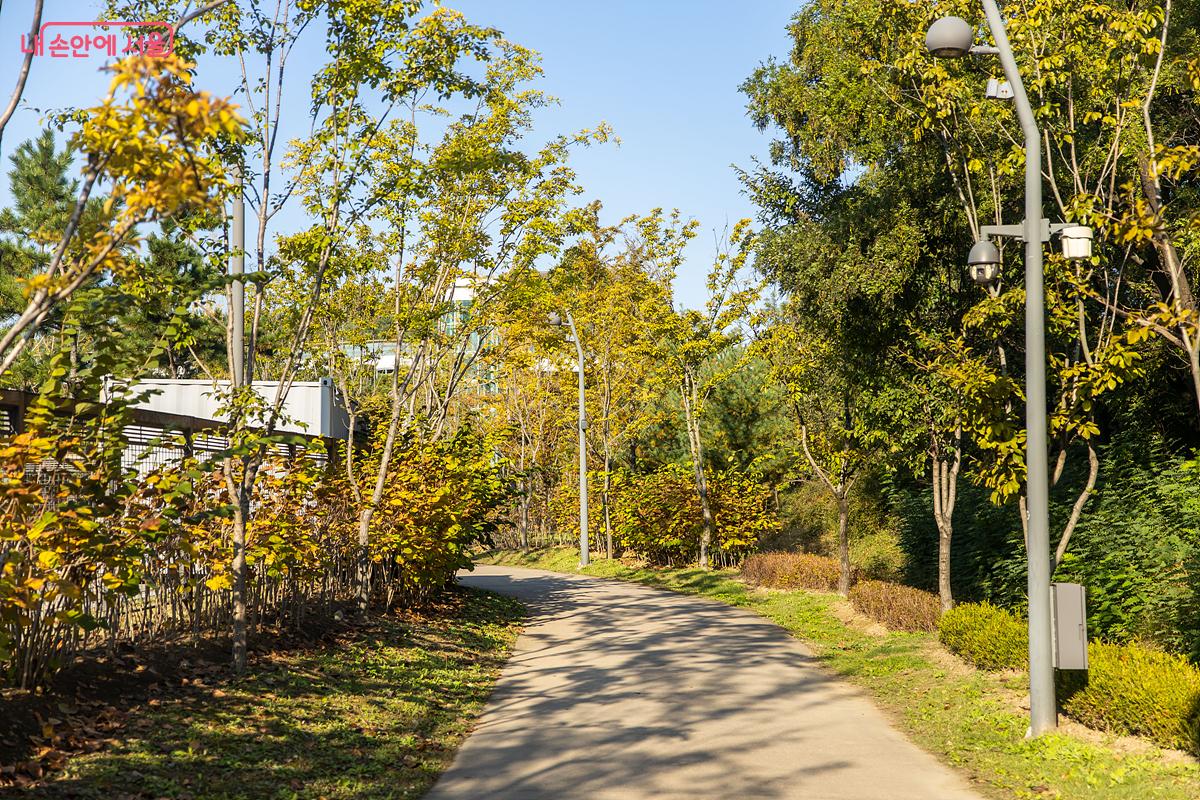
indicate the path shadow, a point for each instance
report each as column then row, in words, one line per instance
column 639, row 704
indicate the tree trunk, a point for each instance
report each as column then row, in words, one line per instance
column 241, row 515
column 945, row 593
column 526, row 483
column 1077, row 509
column 1194, row 364
column 696, row 445
column 523, row 528
column 1172, row 264
column 362, row 572
column 608, row 539
column 606, row 433
column 706, row 533
column 843, row 502
column 841, row 493
column 945, row 492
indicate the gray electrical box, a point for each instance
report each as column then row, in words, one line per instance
column 1069, row 604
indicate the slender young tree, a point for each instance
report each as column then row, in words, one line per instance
column 835, row 407
column 465, row 211
column 693, row 339
column 610, row 285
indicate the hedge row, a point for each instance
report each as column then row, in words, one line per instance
column 1128, row 688
column 899, row 607
column 896, row 606
column 792, row 571
column 987, row 636
column 1133, row 689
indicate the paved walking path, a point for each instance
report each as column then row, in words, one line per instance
column 617, row 691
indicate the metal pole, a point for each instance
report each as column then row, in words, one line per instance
column 1043, row 713
column 237, row 263
column 583, row 486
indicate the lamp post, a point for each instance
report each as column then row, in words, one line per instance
column 952, row 37
column 556, row 319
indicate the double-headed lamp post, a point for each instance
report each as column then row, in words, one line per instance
column 952, row 37
column 556, row 319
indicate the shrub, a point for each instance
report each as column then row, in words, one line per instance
column 658, row 516
column 563, row 507
column 987, row 636
column 1133, row 689
column 441, row 499
column 899, row 607
column 792, row 571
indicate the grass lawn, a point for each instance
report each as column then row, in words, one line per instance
column 970, row 719
column 375, row 711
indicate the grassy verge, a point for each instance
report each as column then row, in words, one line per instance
column 375, row 711
column 970, row 719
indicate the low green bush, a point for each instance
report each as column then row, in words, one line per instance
column 792, row 571
column 987, row 636
column 1128, row 689
column 1133, row 689
column 899, row 607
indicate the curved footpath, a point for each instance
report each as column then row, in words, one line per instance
column 617, row 690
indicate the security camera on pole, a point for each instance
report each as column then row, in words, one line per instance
column 952, row 37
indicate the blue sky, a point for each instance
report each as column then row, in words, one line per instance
column 663, row 73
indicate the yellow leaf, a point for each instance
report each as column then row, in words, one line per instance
column 218, row 582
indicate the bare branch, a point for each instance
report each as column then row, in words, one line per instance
column 23, row 75
column 200, row 12
column 1077, row 510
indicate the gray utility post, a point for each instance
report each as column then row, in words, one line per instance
column 952, row 37
column 556, row 319
column 1043, row 711
column 237, row 266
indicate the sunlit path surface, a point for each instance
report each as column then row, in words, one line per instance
column 621, row 691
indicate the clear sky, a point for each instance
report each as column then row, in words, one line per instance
column 663, row 73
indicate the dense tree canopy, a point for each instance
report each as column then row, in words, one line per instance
column 845, row 387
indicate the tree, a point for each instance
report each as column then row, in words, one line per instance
column 834, row 406
column 42, row 194
column 393, row 57
column 385, row 57
column 930, row 417
column 152, row 140
column 535, row 419
column 860, row 102
column 1114, row 87
column 463, row 211
column 1084, row 368
column 691, row 339
column 615, row 299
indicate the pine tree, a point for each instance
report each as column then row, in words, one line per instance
column 43, row 196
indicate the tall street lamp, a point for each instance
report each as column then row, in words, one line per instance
column 953, row 37
column 555, row 319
